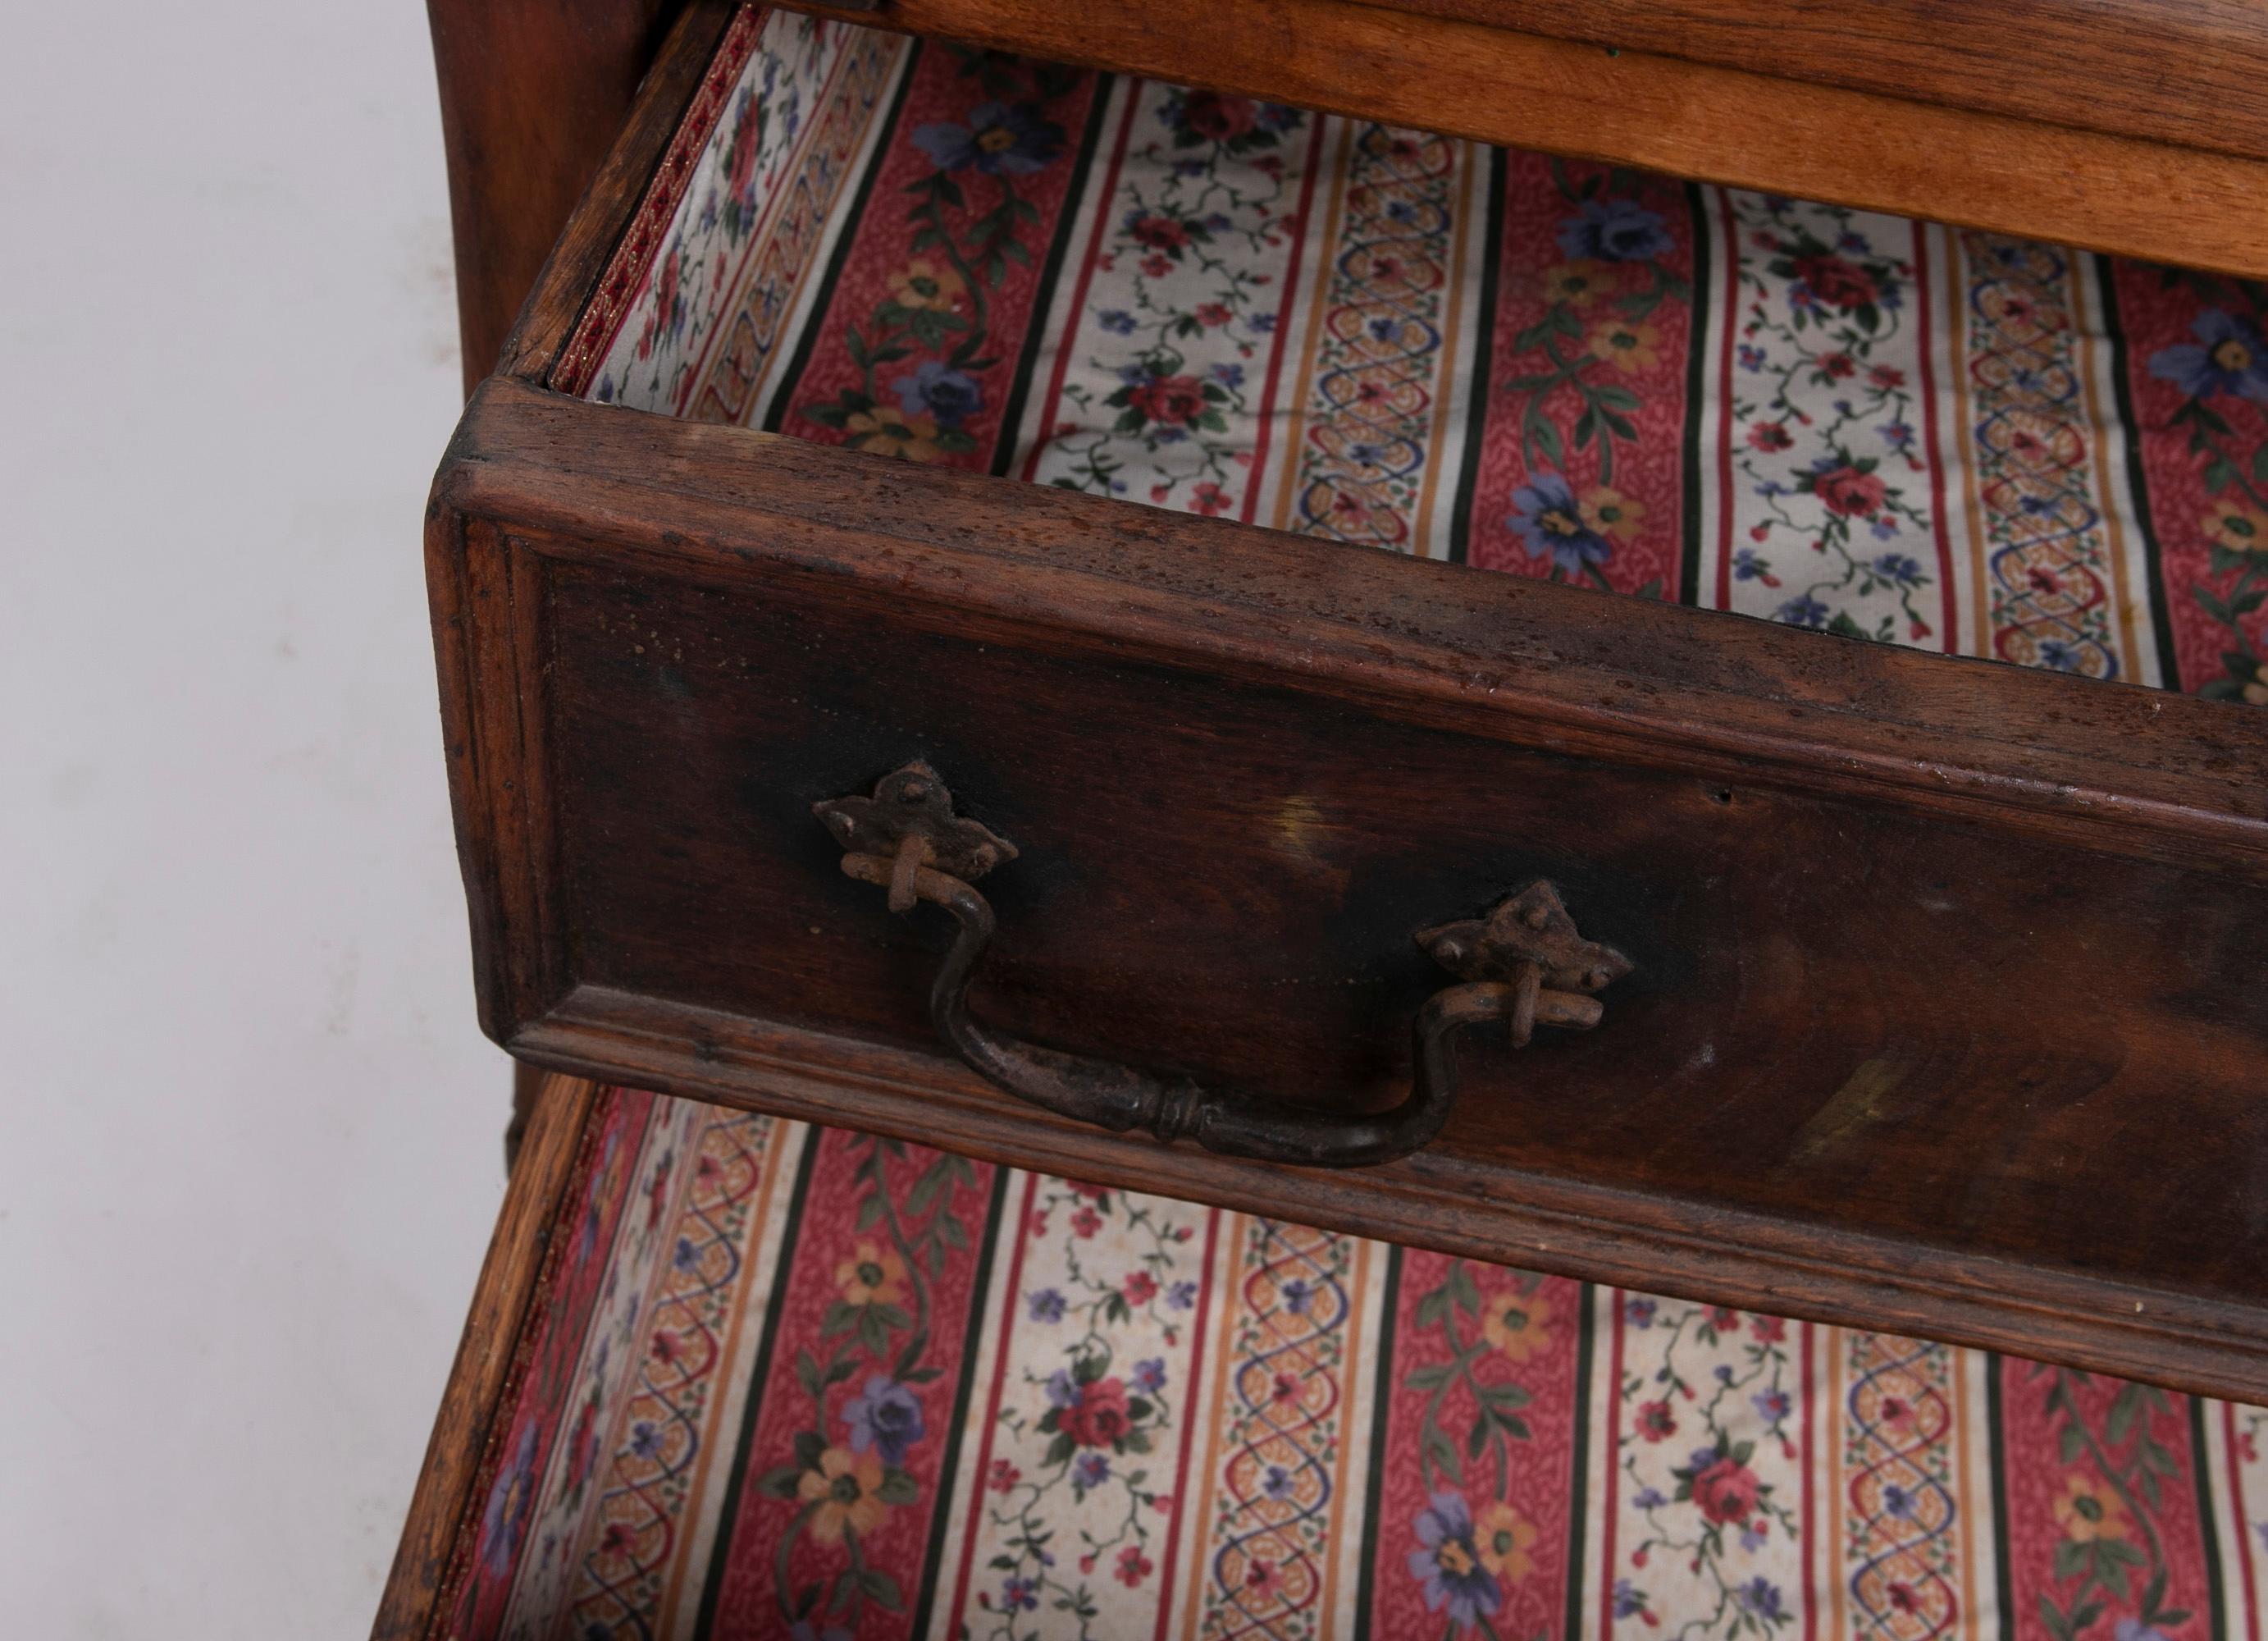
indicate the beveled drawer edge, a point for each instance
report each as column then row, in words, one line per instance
column 1563, row 1227
column 1499, row 657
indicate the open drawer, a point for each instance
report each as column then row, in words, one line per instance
column 727, row 1374
column 1853, row 981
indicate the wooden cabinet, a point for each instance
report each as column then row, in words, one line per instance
column 1844, row 1035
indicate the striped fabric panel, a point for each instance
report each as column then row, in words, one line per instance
column 798, row 1382
column 1808, row 414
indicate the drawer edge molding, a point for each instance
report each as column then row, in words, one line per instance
column 2110, row 767
column 1558, row 1225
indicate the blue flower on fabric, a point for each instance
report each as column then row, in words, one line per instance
column 1614, row 231
column 1150, row 1374
column 1045, row 1305
column 1760, row 1597
column 949, row 394
column 1639, row 1312
column 1017, row 1592
column 2134, row 1630
column 1649, row 1498
column 1278, row 1482
column 1897, row 1501
column 1061, row 1393
column 1117, row 321
column 1449, row 1565
column 1181, row 1295
column 1802, row 610
column 2061, row 656
column 1092, row 1470
column 804, row 1629
column 1296, row 1294
column 1773, row 1405
column 510, row 1497
column 884, row 1416
column 1549, row 524
column 1630, row 1601
column 997, row 140
column 2227, row 358
column 1230, row 376
column 1897, row 569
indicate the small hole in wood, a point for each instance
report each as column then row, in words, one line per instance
column 1722, row 794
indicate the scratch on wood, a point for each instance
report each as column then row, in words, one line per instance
column 1857, row 1107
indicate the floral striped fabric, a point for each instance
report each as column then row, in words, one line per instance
column 1885, row 429
column 788, row 1381
column 797, row 1382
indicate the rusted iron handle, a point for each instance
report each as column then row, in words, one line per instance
column 1120, row 1097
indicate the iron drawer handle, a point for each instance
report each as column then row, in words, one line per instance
column 1524, row 965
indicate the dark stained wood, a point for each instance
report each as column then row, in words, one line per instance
column 510, row 1281
column 2186, row 71
column 527, row 1082
column 1945, row 969
column 533, row 93
column 1965, row 164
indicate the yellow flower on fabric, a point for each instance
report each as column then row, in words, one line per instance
column 891, row 433
column 1578, row 284
column 2089, row 1510
column 1609, row 512
column 874, row 1274
column 923, row 284
column 1503, row 1537
column 1452, row 1559
column 2238, row 527
column 1517, row 1324
column 1626, row 345
column 845, row 1489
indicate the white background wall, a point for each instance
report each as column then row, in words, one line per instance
column 249, row 1136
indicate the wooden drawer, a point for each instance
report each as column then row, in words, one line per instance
column 1929, row 990
column 686, row 1309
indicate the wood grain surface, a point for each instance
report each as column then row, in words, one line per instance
column 2193, row 72
column 533, row 95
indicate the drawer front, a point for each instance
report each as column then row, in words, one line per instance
column 1916, row 1020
